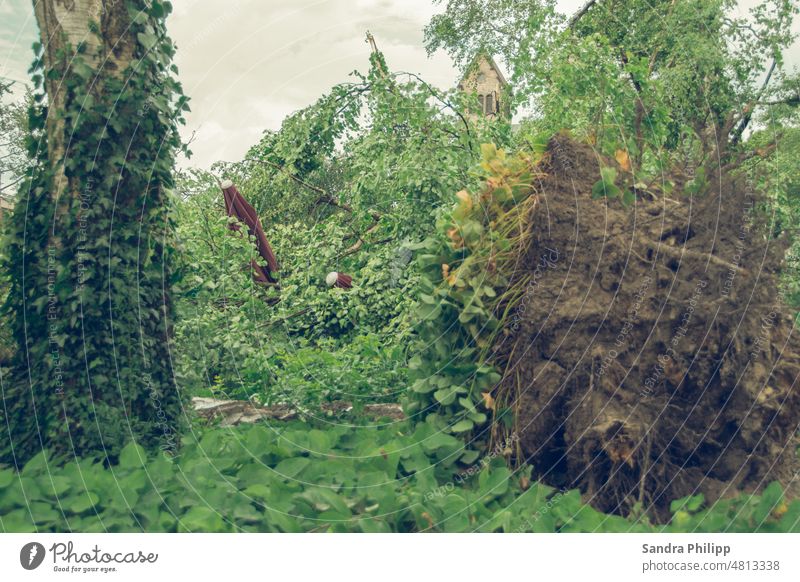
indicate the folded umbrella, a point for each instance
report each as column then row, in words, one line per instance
column 242, row 210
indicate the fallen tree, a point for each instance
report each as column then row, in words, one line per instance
column 651, row 355
column 233, row 412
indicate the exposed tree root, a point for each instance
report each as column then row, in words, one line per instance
column 654, row 357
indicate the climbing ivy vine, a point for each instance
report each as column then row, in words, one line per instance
column 90, row 268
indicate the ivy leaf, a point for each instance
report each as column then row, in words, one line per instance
column 81, row 69
column 147, row 39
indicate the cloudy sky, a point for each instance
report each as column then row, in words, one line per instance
column 246, row 64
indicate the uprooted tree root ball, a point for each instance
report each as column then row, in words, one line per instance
column 651, row 356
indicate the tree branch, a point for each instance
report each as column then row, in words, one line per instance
column 442, row 101
column 794, row 101
column 580, row 13
column 751, row 106
column 355, row 247
column 6, row 186
column 316, row 189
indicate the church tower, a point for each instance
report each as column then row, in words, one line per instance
column 484, row 78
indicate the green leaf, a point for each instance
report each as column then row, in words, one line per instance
column 6, row 477
column 324, row 498
column 147, row 39
column 82, row 502
column 608, row 175
column 690, row 503
column 132, row 455
column 770, row 498
column 445, row 396
column 258, row 491
column 440, row 440
column 493, row 481
column 470, row 456
column 601, row 189
column 423, row 386
column 292, row 467
column 202, row 519
column 462, row 426
column 598, row 190
column 628, row 198
column 695, row 502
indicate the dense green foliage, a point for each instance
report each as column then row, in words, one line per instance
column 294, row 478
column 14, row 160
column 90, row 269
column 14, row 128
column 239, row 339
column 389, row 151
column 779, row 175
column 666, row 81
column 465, row 295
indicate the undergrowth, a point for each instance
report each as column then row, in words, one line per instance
column 294, row 478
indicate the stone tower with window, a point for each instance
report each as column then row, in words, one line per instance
column 483, row 77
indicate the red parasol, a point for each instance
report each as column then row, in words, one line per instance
column 238, row 207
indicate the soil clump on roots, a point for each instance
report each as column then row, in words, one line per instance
column 651, row 356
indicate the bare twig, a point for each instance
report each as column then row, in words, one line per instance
column 6, row 186
column 360, row 242
column 373, row 45
column 278, row 320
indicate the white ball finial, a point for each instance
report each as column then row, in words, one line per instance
column 226, row 184
column 331, row 279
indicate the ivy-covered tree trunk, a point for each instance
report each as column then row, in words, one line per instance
column 89, row 249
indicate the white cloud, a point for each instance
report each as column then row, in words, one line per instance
column 247, row 64
column 17, row 34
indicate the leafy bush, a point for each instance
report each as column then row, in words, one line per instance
column 464, row 293
column 361, row 371
column 298, row 478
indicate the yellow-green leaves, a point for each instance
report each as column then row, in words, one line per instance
column 463, row 285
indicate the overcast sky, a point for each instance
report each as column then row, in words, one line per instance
column 246, row 64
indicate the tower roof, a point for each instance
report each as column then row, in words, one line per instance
column 488, row 58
